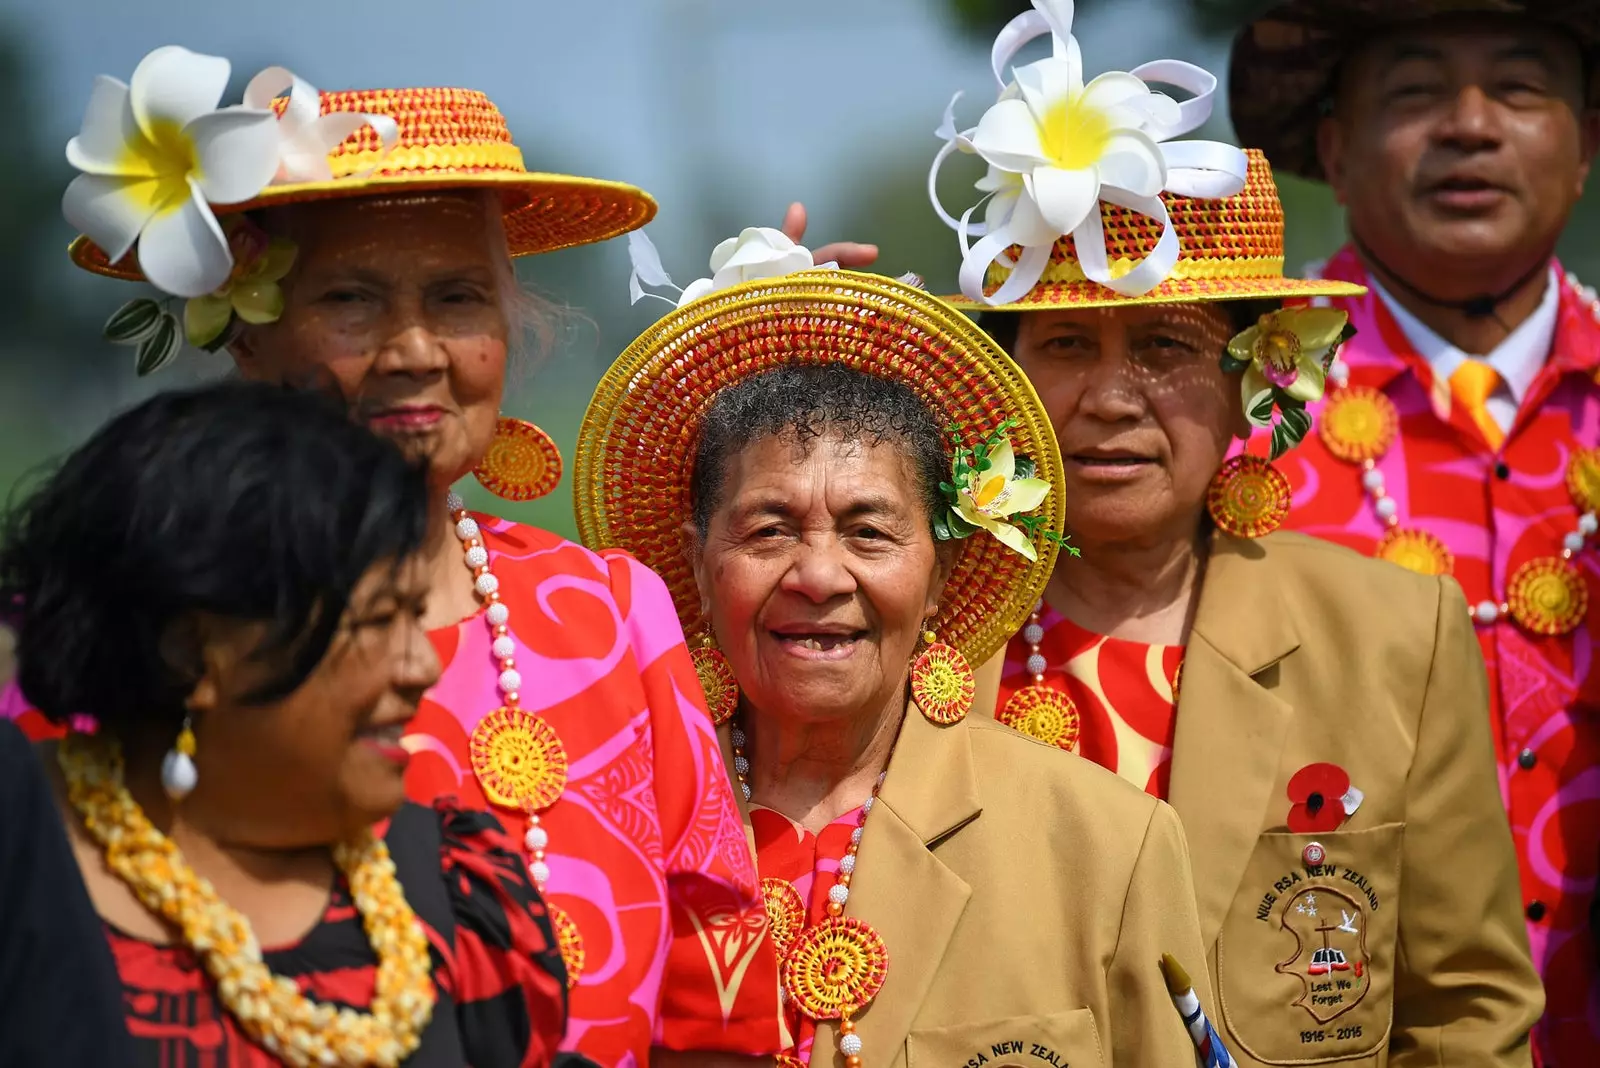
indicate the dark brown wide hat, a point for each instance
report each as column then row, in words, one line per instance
column 1283, row 63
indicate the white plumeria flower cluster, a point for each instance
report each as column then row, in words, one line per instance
column 157, row 152
column 758, row 252
column 1058, row 146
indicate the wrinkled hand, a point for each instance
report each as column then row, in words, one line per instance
column 848, row 254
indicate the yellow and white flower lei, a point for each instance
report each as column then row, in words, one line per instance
column 271, row 1008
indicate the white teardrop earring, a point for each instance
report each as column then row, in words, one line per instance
column 178, row 774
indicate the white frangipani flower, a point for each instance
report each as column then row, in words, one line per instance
column 758, row 252
column 1058, row 146
column 155, row 154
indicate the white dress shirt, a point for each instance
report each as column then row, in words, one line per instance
column 1517, row 359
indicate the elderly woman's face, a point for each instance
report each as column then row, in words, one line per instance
column 397, row 301
column 1142, row 409
column 820, row 572
column 326, row 760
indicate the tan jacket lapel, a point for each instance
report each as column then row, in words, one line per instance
column 901, row 887
column 1231, row 726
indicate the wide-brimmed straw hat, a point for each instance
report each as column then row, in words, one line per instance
column 375, row 141
column 1281, row 75
column 1230, row 248
column 636, row 448
column 1091, row 198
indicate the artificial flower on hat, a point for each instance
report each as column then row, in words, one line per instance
column 991, row 488
column 1057, row 146
column 156, row 153
column 1284, row 360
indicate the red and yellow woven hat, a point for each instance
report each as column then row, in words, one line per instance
column 1091, row 200
column 636, row 448
column 157, row 140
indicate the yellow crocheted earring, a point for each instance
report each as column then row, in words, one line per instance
column 942, row 682
column 716, row 679
column 1249, row 497
column 522, row 464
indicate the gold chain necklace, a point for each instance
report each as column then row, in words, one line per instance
column 271, row 1009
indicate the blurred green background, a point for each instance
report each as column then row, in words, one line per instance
column 725, row 110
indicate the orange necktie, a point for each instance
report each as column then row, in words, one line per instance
column 1470, row 386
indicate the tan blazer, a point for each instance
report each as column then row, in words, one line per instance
column 1406, row 945
column 1025, row 897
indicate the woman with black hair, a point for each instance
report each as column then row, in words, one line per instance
column 234, row 567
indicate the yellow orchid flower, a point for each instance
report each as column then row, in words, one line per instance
column 1285, row 353
column 987, row 498
column 251, row 291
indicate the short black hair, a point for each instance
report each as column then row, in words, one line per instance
column 803, row 402
column 244, row 500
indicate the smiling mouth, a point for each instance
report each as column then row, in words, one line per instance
column 387, row 734
column 1110, row 461
column 827, row 645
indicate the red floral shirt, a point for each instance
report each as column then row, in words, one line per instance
column 1495, row 511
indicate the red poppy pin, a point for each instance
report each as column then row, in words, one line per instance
column 1322, row 799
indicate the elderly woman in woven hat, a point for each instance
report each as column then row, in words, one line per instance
column 851, row 494
column 1315, row 717
column 363, row 242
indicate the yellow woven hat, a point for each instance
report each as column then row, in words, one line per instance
column 160, row 148
column 637, row 445
column 1091, row 202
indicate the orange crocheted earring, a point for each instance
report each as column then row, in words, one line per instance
column 716, row 679
column 1249, row 497
column 942, row 683
column 522, row 464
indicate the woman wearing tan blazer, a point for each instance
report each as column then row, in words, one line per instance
column 1317, row 719
column 943, row 892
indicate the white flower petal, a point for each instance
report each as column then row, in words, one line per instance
column 111, row 211
column 1029, row 228
column 695, row 290
column 1008, row 137
column 1013, row 538
column 109, row 139
column 754, row 252
column 1065, row 198
column 173, row 86
column 183, row 251
column 721, row 254
column 1001, row 205
column 305, row 150
column 1132, row 161
column 237, row 152
column 1114, row 88
column 1047, row 83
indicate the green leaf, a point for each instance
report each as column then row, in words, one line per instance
column 133, row 322
column 1026, row 468
column 1261, row 411
column 959, row 527
column 161, row 347
column 941, row 529
column 1231, row 365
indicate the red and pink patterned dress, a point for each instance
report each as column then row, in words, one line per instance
column 809, row 863
column 1495, row 511
column 1124, row 692
column 647, row 852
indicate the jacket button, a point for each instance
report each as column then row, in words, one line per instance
column 1527, row 759
column 1501, row 471
column 1536, row 911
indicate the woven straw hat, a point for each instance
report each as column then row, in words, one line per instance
column 448, row 139
column 1283, row 65
column 1229, row 249
column 636, row 448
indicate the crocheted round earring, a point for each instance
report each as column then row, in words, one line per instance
column 1249, row 497
column 522, row 464
column 942, row 683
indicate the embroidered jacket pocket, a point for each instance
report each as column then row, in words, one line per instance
column 1306, row 955
column 1057, row 1040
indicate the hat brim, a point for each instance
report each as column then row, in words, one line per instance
column 543, row 212
column 1047, row 295
column 637, row 445
column 1282, row 65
